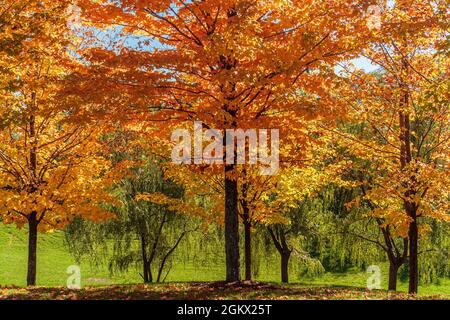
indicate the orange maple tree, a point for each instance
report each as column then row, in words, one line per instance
column 51, row 169
column 227, row 63
column 398, row 125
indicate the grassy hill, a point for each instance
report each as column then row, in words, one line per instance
column 54, row 259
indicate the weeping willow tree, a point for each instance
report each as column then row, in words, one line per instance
column 344, row 247
column 311, row 244
column 434, row 258
column 290, row 239
column 143, row 235
column 367, row 240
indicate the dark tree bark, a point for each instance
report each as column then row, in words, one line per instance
column 233, row 267
column 232, row 258
column 278, row 236
column 285, row 255
column 410, row 207
column 393, row 273
column 396, row 257
column 33, row 220
column 413, row 258
column 148, row 260
column 247, row 222
column 32, row 248
column 231, row 227
column 167, row 255
column 145, row 263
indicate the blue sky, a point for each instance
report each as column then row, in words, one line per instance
column 365, row 64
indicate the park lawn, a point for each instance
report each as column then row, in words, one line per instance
column 54, row 259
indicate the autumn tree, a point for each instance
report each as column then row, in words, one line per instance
column 403, row 114
column 229, row 64
column 50, row 167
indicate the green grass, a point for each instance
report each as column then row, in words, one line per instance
column 355, row 278
column 54, row 259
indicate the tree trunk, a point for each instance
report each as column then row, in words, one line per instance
column 393, row 272
column 279, row 240
column 413, row 258
column 411, row 209
column 167, row 255
column 32, row 248
column 33, row 217
column 248, row 251
column 147, row 272
column 285, row 266
column 231, row 227
column 145, row 264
